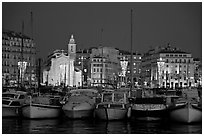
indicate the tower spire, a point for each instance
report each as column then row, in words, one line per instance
column 72, row 47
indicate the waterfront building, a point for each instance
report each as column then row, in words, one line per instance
column 125, row 75
column 82, row 62
column 18, row 61
column 59, row 67
column 198, row 72
column 167, row 67
column 105, row 66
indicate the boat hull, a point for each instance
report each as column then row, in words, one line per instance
column 186, row 114
column 78, row 110
column 74, row 114
column 37, row 111
column 11, row 111
column 149, row 114
column 110, row 113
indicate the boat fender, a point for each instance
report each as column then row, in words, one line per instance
column 129, row 112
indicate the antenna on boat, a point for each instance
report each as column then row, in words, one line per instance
column 131, row 72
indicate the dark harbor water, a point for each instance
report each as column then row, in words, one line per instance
column 90, row 126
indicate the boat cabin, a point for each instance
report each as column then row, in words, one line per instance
column 11, row 103
column 114, row 97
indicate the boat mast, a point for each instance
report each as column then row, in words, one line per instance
column 39, row 73
column 65, row 75
column 21, row 61
column 131, row 61
column 30, row 67
column 82, row 68
column 101, row 59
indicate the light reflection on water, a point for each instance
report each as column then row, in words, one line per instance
column 90, row 126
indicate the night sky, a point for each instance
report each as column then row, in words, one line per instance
column 154, row 24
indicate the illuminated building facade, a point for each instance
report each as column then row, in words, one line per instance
column 167, row 67
column 125, row 75
column 18, row 62
column 105, row 66
column 60, row 69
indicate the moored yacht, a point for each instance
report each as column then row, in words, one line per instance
column 113, row 106
column 186, row 109
column 10, row 108
column 80, row 103
column 153, row 108
column 12, row 102
column 41, row 107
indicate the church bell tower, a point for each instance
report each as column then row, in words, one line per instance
column 72, row 47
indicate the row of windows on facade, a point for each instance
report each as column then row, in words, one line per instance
column 176, row 55
column 7, row 63
column 180, row 66
column 178, row 61
column 99, row 65
column 97, row 81
column 173, row 83
column 95, row 70
column 16, row 39
column 15, row 71
column 176, row 72
column 135, row 71
column 175, row 78
column 98, row 60
column 7, row 56
column 18, row 44
column 18, row 50
column 81, row 57
column 148, row 58
column 126, row 58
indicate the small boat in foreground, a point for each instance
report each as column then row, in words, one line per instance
column 185, row 111
column 12, row 102
column 187, row 108
column 149, row 109
column 42, row 107
column 10, row 108
column 80, row 103
column 113, row 106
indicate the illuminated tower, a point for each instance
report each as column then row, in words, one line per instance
column 72, row 48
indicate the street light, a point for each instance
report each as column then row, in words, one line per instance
column 160, row 64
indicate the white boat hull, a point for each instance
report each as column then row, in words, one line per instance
column 80, row 110
column 110, row 113
column 186, row 114
column 10, row 111
column 34, row 111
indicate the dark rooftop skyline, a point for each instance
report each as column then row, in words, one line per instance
column 154, row 24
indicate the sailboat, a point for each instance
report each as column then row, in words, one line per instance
column 186, row 109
